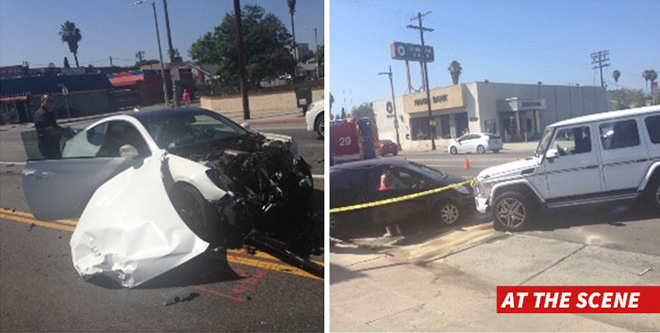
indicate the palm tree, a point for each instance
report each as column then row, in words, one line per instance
column 652, row 76
column 455, row 70
column 616, row 75
column 292, row 10
column 646, row 75
column 71, row 35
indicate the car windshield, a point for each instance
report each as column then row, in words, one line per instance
column 543, row 143
column 191, row 129
column 427, row 171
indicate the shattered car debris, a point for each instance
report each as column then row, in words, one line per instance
column 155, row 189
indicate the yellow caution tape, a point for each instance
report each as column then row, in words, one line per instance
column 401, row 198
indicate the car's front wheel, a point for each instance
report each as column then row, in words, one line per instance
column 320, row 126
column 513, row 211
column 447, row 211
column 453, row 150
column 196, row 212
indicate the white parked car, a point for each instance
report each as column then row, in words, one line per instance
column 476, row 142
column 154, row 189
column 602, row 157
column 315, row 118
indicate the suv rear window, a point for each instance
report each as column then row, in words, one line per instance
column 653, row 127
column 619, row 134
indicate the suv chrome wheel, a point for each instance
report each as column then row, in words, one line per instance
column 512, row 211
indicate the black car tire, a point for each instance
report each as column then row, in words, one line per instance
column 513, row 211
column 196, row 212
column 395, row 153
column 652, row 192
column 453, row 150
column 448, row 211
column 481, row 149
column 496, row 151
column 319, row 125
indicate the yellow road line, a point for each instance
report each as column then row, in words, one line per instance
column 36, row 222
column 28, row 215
column 28, row 218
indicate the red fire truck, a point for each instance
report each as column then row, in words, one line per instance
column 353, row 139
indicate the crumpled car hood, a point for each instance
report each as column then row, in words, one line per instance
column 130, row 231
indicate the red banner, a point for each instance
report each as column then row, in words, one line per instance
column 576, row 299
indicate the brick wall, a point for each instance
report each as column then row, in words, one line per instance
column 267, row 102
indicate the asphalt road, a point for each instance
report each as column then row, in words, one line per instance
column 232, row 291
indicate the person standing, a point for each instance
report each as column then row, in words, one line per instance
column 186, row 98
column 49, row 132
column 389, row 182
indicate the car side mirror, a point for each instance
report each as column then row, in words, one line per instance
column 128, row 152
column 551, row 154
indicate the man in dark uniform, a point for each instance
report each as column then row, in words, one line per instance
column 48, row 131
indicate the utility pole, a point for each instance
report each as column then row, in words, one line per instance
column 175, row 86
column 426, row 73
column 599, row 58
column 241, row 59
column 396, row 119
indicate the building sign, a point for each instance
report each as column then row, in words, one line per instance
column 411, row 52
column 441, row 99
column 517, row 104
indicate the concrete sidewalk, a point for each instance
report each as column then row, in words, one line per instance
column 456, row 290
column 261, row 117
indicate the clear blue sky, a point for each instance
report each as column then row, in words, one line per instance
column 500, row 41
column 119, row 28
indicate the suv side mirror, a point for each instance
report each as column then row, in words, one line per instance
column 551, row 154
column 128, row 152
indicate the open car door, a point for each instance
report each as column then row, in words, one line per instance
column 60, row 188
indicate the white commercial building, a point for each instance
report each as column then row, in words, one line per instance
column 517, row 112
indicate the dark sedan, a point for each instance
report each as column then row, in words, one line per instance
column 360, row 182
column 388, row 147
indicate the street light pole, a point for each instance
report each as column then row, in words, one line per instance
column 316, row 45
column 160, row 51
column 396, row 119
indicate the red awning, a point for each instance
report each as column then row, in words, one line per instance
column 13, row 99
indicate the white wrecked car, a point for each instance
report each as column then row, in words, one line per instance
column 154, row 189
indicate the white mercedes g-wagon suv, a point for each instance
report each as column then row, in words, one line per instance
column 595, row 158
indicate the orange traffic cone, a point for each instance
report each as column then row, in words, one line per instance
column 467, row 163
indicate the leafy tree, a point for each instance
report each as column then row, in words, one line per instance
column 627, row 98
column 66, row 63
column 265, row 46
column 455, row 71
column 71, row 35
column 616, row 75
column 332, row 101
column 320, row 59
column 364, row 110
column 292, row 10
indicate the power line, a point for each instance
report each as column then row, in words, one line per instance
column 600, row 58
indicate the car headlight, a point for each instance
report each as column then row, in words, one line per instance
column 482, row 190
column 463, row 189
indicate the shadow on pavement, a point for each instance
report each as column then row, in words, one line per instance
column 203, row 269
